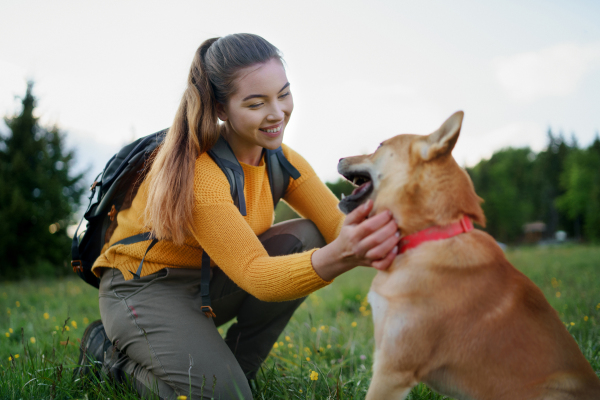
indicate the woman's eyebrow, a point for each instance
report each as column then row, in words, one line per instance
column 264, row 95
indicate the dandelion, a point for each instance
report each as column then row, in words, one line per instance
column 295, row 355
column 46, row 315
column 353, row 324
column 290, row 345
column 362, row 309
column 32, row 340
column 314, row 375
column 181, row 397
column 275, row 346
column 328, row 346
column 321, row 349
column 558, row 295
column 585, row 318
column 57, row 328
column 281, row 344
column 313, row 329
column 307, row 358
column 9, row 358
column 322, row 327
column 300, row 390
column 287, row 338
column 10, row 330
column 18, row 303
column 307, row 350
column 67, row 328
column 572, row 323
column 7, row 334
column 87, row 321
column 74, row 323
column 16, row 356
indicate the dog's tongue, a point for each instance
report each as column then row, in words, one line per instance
column 361, row 188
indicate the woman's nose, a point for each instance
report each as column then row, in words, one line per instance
column 276, row 113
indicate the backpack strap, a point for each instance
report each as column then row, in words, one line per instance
column 223, row 156
column 279, row 170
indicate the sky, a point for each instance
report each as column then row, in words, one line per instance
column 107, row 72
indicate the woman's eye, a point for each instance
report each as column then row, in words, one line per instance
column 284, row 95
column 255, row 105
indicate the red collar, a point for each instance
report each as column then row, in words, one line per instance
column 435, row 233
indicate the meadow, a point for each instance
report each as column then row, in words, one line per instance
column 326, row 351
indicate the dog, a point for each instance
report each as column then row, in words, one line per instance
column 451, row 311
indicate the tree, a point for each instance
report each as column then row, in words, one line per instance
column 38, row 196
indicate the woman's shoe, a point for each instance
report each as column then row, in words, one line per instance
column 94, row 344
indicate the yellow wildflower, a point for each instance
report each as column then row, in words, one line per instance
column 353, row 324
column 275, row 345
column 281, row 343
column 597, row 307
column 306, row 349
column 181, row 397
column 572, row 323
column 57, row 328
column 10, row 330
column 362, row 309
column 322, row 327
column 32, row 340
column 313, row 329
column 7, row 334
column 9, row 358
column 307, row 358
column 321, row 349
column 46, row 315
column 16, row 356
column 300, row 390
column 87, row 321
column 290, row 345
column 314, row 375
column 328, row 346
column 585, row 318
column 18, row 304
column 287, row 338
column 558, row 295
column 295, row 355
column 8, row 311
column 74, row 323
column 67, row 328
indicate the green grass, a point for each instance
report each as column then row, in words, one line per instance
column 331, row 334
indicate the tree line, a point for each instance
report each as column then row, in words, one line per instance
column 40, row 193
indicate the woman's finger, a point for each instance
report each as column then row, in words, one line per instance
column 378, row 237
column 359, row 213
column 382, row 250
column 387, row 261
column 373, row 224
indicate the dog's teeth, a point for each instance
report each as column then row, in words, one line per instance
column 355, row 180
column 343, row 196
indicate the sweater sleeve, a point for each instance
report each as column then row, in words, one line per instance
column 224, row 234
column 312, row 199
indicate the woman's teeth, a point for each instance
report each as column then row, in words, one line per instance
column 272, row 130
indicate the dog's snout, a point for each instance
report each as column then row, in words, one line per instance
column 340, row 159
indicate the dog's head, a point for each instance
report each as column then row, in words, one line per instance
column 416, row 178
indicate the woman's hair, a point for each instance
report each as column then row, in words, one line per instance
column 196, row 129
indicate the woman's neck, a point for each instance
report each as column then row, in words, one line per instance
column 245, row 152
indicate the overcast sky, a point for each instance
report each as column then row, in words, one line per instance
column 361, row 71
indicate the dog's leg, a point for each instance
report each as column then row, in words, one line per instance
column 390, row 385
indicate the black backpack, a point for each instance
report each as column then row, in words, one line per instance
column 118, row 183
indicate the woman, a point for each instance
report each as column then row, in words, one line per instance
column 261, row 273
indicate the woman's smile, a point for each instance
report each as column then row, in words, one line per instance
column 273, row 130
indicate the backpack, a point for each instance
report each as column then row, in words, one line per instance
column 117, row 185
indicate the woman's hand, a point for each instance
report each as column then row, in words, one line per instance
column 367, row 242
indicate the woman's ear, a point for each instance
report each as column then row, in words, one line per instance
column 221, row 112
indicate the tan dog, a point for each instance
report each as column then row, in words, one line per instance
column 454, row 313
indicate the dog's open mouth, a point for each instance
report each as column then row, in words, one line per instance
column 364, row 187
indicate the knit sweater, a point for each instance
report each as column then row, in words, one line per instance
column 230, row 238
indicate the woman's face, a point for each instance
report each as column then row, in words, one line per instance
column 259, row 110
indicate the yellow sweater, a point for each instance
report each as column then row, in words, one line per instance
column 230, row 238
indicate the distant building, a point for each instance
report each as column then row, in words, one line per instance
column 534, row 231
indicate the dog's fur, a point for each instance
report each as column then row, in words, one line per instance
column 454, row 313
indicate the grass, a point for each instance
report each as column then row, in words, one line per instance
column 325, row 351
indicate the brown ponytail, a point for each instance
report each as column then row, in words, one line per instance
column 196, row 129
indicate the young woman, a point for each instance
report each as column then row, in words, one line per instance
column 158, row 334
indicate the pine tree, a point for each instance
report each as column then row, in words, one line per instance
column 38, row 196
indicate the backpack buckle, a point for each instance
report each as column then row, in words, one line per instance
column 77, row 266
column 208, row 311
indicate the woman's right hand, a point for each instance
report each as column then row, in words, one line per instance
column 362, row 241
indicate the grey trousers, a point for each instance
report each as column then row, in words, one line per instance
column 165, row 346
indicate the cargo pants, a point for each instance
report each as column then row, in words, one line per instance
column 165, row 346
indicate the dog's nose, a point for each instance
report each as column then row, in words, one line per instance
column 340, row 159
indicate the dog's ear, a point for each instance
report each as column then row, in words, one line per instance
column 442, row 141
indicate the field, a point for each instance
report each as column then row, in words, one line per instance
column 324, row 353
